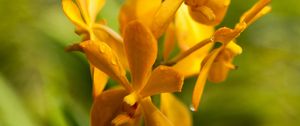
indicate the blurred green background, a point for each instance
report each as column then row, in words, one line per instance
column 42, row 85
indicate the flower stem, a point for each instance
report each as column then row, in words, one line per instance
column 188, row 52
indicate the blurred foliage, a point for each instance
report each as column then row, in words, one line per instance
column 42, row 85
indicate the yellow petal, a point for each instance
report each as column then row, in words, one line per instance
column 164, row 16
column 234, row 48
column 103, row 58
column 189, row 33
column 175, row 110
column 83, row 5
column 122, row 120
column 106, row 107
column 138, row 10
column 99, row 81
column 141, row 51
column 198, row 89
column 169, row 42
column 152, row 116
column 223, row 63
column 94, row 7
column 163, row 79
column 258, row 10
column 113, row 39
column 190, row 65
column 210, row 12
column 73, row 13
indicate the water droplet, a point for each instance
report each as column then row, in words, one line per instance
column 114, row 61
column 192, row 108
column 101, row 48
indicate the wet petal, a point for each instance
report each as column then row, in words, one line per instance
column 73, row 13
column 103, row 58
column 152, row 116
column 198, row 89
column 164, row 16
column 99, row 81
column 106, row 107
column 113, row 39
column 258, row 10
column 138, row 10
column 175, row 110
column 141, row 51
column 163, row 79
column 169, row 42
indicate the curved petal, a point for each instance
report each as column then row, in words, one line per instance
column 113, row 39
column 189, row 33
column 211, row 12
column 198, row 89
column 169, row 42
column 102, row 57
column 152, row 116
column 142, row 10
column 223, row 63
column 190, row 65
column 72, row 12
column 258, row 10
column 83, row 5
column 106, row 107
column 141, row 51
column 94, row 7
column 175, row 110
column 99, row 81
column 164, row 16
column 163, row 79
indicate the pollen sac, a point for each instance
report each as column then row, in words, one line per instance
column 208, row 12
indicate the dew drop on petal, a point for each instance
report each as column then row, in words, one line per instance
column 192, row 108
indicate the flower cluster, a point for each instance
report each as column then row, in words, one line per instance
column 190, row 23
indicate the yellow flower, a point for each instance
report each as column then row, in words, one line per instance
column 209, row 12
column 122, row 106
column 217, row 64
column 83, row 14
column 155, row 14
column 189, row 33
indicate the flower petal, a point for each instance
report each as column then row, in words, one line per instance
column 175, row 110
column 99, row 81
column 138, row 10
column 103, row 58
column 223, row 63
column 258, row 10
column 163, row 79
column 141, row 51
column 169, row 42
column 83, row 5
column 94, row 7
column 113, row 39
column 210, row 12
column 73, row 13
column 152, row 116
column 189, row 33
column 198, row 89
column 106, row 107
column 164, row 16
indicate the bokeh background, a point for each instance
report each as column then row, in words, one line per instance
column 42, row 85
